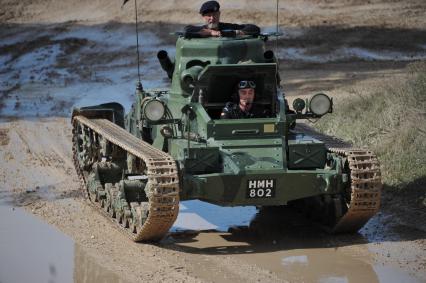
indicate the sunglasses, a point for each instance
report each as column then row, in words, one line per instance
column 246, row 84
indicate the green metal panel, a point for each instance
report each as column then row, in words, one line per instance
column 242, row 156
column 245, row 128
column 214, row 51
column 231, row 189
column 196, row 157
column 306, row 152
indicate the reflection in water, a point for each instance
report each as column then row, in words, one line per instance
column 279, row 241
column 199, row 215
column 43, row 253
column 30, row 245
column 324, row 265
column 282, row 241
column 301, row 259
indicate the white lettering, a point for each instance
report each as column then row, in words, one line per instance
column 261, row 184
column 252, row 184
column 252, row 193
column 269, row 183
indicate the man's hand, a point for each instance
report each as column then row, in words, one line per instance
column 210, row 32
column 215, row 33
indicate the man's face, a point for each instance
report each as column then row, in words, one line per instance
column 246, row 96
column 212, row 19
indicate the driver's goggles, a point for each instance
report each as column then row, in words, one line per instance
column 246, row 84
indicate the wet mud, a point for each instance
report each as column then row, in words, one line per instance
column 4, row 136
column 240, row 242
column 287, row 245
column 46, row 254
column 53, row 58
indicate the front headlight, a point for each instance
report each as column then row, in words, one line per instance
column 153, row 110
column 320, row 104
column 298, row 105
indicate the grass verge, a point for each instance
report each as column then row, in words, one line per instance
column 391, row 121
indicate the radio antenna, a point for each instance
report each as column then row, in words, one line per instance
column 137, row 44
column 276, row 32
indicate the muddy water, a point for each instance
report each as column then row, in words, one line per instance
column 314, row 264
column 295, row 251
column 33, row 251
column 285, row 245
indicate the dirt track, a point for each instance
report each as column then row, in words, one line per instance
column 54, row 56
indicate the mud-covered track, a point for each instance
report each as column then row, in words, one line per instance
column 365, row 188
column 162, row 187
column 363, row 196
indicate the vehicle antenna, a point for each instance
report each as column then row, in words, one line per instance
column 139, row 85
column 276, row 32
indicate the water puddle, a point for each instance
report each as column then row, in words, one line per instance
column 44, row 253
column 311, row 264
column 293, row 250
column 199, row 215
column 343, row 53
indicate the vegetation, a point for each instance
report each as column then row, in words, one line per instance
column 390, row 120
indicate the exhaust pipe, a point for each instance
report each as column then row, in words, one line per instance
column 269, row 56
column 166, row 63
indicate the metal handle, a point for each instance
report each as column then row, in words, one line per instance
column 245, row 132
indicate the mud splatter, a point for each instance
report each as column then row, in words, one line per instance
column 4, row 136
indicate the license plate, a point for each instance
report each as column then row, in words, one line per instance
column 263, row 188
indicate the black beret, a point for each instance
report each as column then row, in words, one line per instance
column 209, row 6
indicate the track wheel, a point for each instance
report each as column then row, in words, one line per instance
column 113, row 197
column 107, row 201
column 135, row 220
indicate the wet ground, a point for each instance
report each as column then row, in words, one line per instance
column 33, row 251
column 290, row 248
column 52, row 60
column 286, row 244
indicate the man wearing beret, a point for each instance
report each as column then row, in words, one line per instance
column 210, row 11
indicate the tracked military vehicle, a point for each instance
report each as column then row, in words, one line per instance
column 173, row 146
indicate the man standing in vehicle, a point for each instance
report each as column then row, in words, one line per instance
column 210, row 11
column 243, row 106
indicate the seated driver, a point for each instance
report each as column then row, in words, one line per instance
column 244, row 106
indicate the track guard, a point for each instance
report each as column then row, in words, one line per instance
column 112, row 111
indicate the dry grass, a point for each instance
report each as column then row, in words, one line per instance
column 390, row 120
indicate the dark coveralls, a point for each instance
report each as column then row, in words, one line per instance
column 233, row 111
column 248, row 29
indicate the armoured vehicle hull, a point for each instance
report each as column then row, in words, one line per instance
column 173, row 146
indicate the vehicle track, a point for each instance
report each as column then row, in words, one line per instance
column 144, row 221
column 363, row 197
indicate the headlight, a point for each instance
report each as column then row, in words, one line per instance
column 190, row 76
column 154, row 110
column 320, row 104
column 299, row 105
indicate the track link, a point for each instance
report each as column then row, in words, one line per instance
column 144, row 221
column 363, row 196
column 363, row 202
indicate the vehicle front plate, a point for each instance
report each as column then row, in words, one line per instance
column 262, row 188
